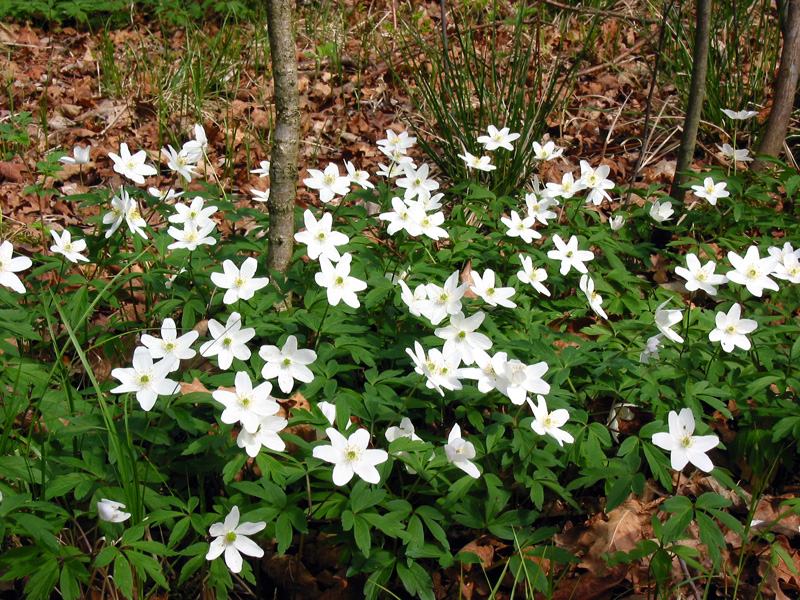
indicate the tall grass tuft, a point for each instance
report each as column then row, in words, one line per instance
column 505, row 77
column 743, row 57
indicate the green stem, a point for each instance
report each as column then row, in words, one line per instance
column 420, row 478
column 711, row 360
column 319, row 331
column 405, row 402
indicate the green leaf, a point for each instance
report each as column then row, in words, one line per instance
column 123, row 576
column 191, row 567
column 361, row 532
column 414, row 536
column 146, row 564
column 433, row 526
column 416, row 580
column 710, row 500
column 232, row 467
column 675, row 527
column 468, row 558
column 384, row 524
column 178, row 531
column 620, row 490
column 781, row 553
column 377, row 581
column 38, row 528
column 283, row 533
column 658, row 464
column 786, row 427
column 677, row 504
column 364, row 497
column 73, row 571
column 711, row 536
column 132, row 534
column 728, row 520
column 105, row 556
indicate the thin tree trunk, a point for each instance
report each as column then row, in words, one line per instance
column 785, row 87
column 695, row 102
column 285, row 135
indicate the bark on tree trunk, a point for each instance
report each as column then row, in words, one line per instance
column 785, row 87
column 285, row 135
column 695, row 102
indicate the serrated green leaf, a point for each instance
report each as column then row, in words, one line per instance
column 123, row 576
column 416, row 580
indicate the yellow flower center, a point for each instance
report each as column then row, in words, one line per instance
column 353, row 453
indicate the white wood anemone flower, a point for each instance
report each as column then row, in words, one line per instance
column 731, row 329
column 498, row 138
column 228, row 341
column 146, row 379
column 239, row 283
column 329, row 183
column 339, row 285
column 350, row 456
column 131, row 165
column 171, row 347
column 9, row 267
column 550, row 423
column 111, row 511
column 700, row 277
column 230, row 538
column 666, row 319
column 752, row 271
column 287, row 364
column 683, row 446
column 460, row 452
column 319, row 237
column 569, row 255
column 64, row 244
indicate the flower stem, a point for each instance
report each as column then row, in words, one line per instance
column 402, row 406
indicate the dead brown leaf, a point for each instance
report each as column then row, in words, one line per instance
column 194, row 386
column 621, row 532
column 11, row 171
column 590, row 587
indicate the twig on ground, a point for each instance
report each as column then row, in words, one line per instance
column 689, row 579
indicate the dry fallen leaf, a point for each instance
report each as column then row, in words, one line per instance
column 194, row 386
column 621, row 532
column 11, row 171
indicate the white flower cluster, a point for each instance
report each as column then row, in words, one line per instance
column 466, row 353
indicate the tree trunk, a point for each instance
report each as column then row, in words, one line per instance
column 285, row 135
column 785, row 87
column 695, row 102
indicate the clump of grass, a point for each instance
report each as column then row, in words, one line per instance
column 503, row 75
